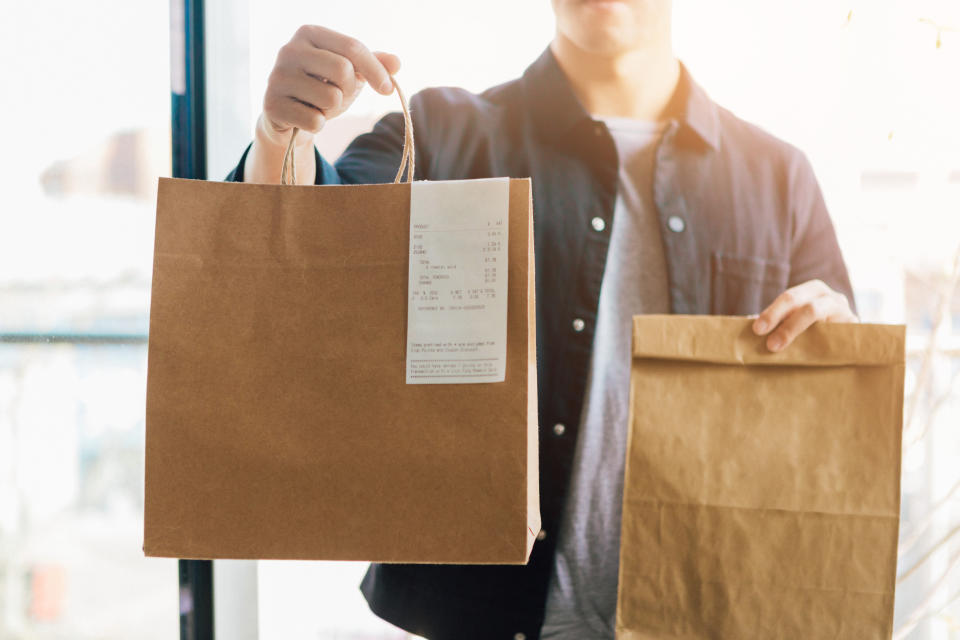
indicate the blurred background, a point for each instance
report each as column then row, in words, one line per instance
column 870, row 89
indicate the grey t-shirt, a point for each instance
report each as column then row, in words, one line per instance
column 582, row 598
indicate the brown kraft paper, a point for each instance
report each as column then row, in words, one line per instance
column 279, row 424
column 762, row 490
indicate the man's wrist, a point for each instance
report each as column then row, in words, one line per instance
column 269, row 137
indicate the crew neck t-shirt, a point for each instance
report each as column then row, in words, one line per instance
column 582, row 597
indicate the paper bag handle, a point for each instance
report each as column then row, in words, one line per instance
column 288, row 173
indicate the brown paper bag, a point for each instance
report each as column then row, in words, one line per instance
column 762, row 491
column 279, row 423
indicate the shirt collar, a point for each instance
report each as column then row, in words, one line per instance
column 556, row 108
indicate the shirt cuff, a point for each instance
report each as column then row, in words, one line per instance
column 326, row 174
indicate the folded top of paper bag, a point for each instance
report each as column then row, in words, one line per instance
column 731, row 340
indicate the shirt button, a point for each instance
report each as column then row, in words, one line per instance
column 519, row 636
column 578, row 325
column 676, row 224
column 598, row 224
column 542, row 535
column 559, row 429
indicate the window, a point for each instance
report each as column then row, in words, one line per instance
column 86, row 133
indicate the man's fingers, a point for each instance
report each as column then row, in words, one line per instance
column 390, row 62
column 320, row 95
column 293, row 112
column 366, row 64
column 785, row 303
column 839, row 309
column 830, row 307
column 330, row 67
column 797, row 308
column 798, row 321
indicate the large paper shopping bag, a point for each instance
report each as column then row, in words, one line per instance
column 762, row 490
column 326, row 379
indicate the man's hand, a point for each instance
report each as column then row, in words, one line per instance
column 316, row 77
column 797, row 308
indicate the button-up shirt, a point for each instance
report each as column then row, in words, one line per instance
column 742, row 218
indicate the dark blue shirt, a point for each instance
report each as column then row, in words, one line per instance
column 741, row 216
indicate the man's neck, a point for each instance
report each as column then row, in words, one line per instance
column 636, row 84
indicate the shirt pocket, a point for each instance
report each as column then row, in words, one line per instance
column 744, row 285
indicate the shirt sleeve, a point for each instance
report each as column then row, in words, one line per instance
column 815, row 252
column 374, row 157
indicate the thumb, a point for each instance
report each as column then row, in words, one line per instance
column 389, row 61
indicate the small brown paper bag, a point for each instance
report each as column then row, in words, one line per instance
column 279, row 421
column 762, row 490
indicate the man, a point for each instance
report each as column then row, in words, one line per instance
column 648, row 198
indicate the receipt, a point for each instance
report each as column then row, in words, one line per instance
column 457, row 281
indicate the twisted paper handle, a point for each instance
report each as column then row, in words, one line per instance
column 288, row 173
